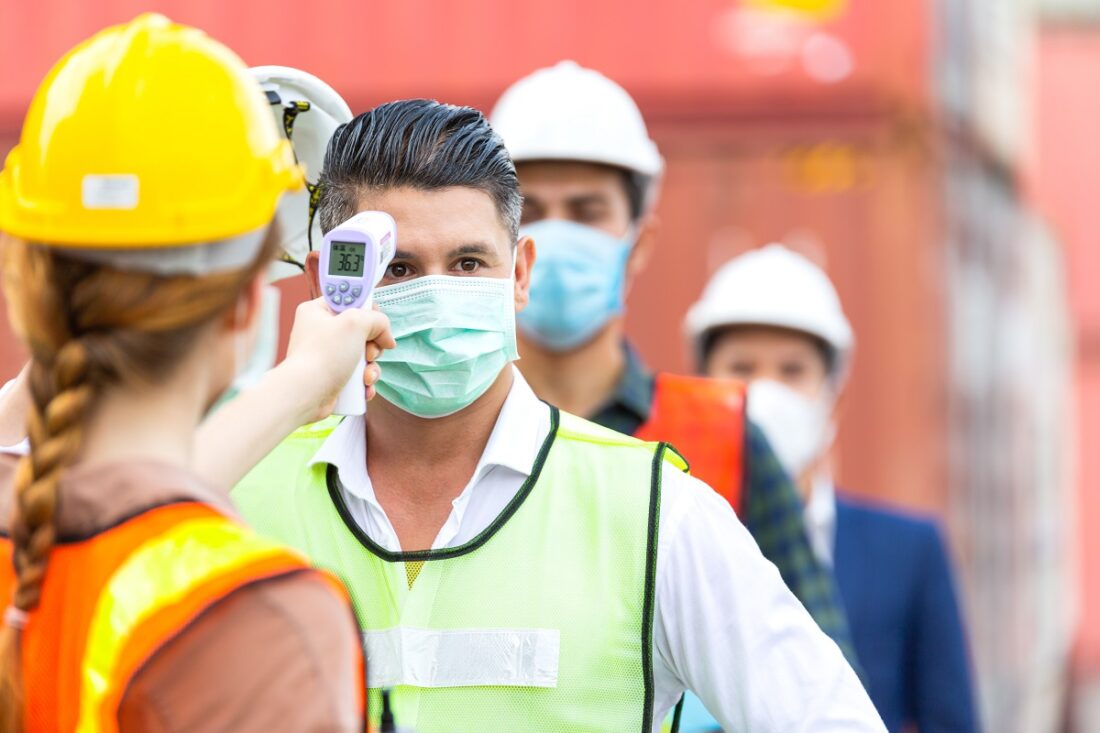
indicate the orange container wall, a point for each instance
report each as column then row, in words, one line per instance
column 468, row 52
column 1065, row 178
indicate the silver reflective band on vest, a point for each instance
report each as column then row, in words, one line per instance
column 206, row 258
column 462, row 657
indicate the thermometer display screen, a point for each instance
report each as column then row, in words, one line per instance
column 346, row 259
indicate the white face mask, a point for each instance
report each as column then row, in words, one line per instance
column 799, row 428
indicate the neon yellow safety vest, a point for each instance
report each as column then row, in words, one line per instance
column 543, row 622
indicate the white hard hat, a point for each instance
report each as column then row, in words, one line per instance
column 774, row 286
column 307, row 111
column 566, row 112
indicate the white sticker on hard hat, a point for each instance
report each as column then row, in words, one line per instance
column 109, row 191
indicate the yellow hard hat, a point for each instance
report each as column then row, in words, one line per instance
column 149, row 134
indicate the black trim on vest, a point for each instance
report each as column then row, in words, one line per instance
column 651, row 583
column 334, row 486
column 672, row 449
column 677, row 713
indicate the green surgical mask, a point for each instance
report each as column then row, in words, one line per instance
column 454, row 335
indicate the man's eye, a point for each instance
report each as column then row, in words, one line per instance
column 793, row 371
column 398, row 270
column 469, row 265
column 742, row 370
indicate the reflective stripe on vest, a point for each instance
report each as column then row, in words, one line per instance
column 160, row 588
column 704, row 419
column 542, row 622
column 110, row 601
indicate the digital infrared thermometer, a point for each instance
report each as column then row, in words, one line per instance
column 354, row 257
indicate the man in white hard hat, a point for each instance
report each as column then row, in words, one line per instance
column 589, row 174
column 772, row 318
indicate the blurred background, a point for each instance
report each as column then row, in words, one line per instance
column 938, row 157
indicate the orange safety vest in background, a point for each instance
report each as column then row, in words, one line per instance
column 112, row 600
column 704, row 419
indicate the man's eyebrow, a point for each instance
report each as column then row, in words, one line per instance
column 403, row 255
column 474, row 248
column 587, row 198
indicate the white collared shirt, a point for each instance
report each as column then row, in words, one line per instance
column 725, row 625
column 820, row 515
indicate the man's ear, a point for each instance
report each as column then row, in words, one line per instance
column 313, row 274
column 648, row 226
column 840, row 400
column 525, row 260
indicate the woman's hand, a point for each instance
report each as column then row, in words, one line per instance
column 324, row 349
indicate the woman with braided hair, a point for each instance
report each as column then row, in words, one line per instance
column 135, row 235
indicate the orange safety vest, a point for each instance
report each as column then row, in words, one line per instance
column 110, row 601
column 704, row 419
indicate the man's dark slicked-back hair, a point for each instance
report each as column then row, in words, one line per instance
column 421, row 144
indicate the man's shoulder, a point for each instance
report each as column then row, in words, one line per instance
column 890, row 524
column 317, row 431
column 580, row 431
column 292, row 457
column 573, row 427
column 307, row 439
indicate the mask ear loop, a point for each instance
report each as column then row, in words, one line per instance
column 512, row 304
column 631, row 236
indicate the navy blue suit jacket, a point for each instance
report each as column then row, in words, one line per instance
column 897, row 589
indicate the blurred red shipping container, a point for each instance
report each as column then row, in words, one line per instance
column 882, row 141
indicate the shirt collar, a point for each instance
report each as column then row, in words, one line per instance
column 346, row 449
column 515, row 440
column 513, row 444
column 820, row 518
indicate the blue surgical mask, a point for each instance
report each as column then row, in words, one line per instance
column 577, row 283
column 454, row 335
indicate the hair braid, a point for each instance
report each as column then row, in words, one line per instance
column 61, row 395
